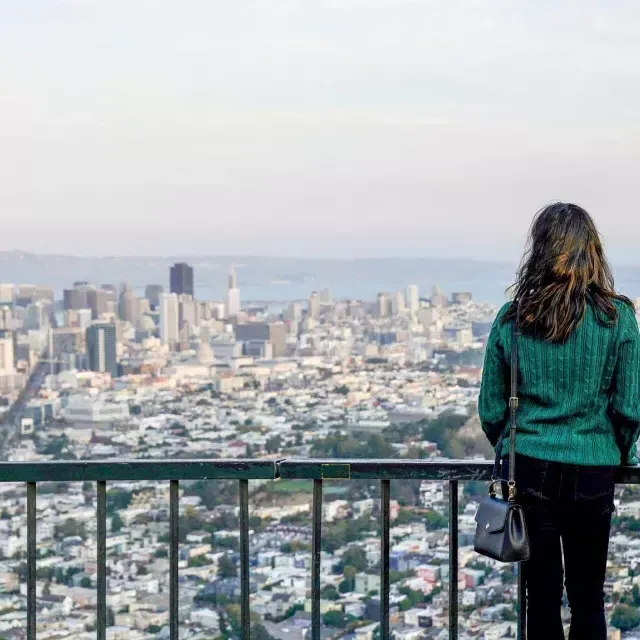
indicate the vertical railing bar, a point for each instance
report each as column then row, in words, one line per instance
column 522, row 605
column 31, row 561
column 453, row 560
column 101, row 610
column 315, row 564
column 245, row 617
column 174, row 505
column 385, row 496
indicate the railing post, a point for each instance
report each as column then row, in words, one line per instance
column 522, row 604
column 101, row 553
column 385, row 495
column 31, row 561
column 245, row 618
column 174, row 531
column 453, row 560
column 315, row 563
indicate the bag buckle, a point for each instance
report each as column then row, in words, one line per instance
column 512, row 490
column 513, row 402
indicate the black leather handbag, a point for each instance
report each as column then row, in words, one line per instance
column 501, row 529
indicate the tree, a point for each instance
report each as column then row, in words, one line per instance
column 355, row 557
column 227, row 567
column 625, row 617
column 329, row 592
column 435, row 521
column 86, row 582
column 335, row 619
column 273, row 444
column 116, row 523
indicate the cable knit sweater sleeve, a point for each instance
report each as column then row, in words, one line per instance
column 493, row 403
column 624, row 405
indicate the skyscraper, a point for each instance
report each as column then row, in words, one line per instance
column 169, row 319
column 233, row 295
column 101, row 348
column 413, row 298
column 152, row 293
column 398, row 303
column 7, row 364
column 98, row 302
column 128, row 306
column 313, row 305
column 274, row 333
column 181, row 278
column 382, row 305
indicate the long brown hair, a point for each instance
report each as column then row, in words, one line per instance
column 563, row 268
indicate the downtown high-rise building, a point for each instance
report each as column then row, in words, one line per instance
column 313, row 305
column 233, row 295
column 169, row 319
column 413, row 298
column 101, row 348
column 128, row 307
column 7, row 361
column 181, row 278
column 382, row 305
column 398, row 303
column 152, row 293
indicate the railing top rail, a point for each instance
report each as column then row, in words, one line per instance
column 368, row 469
column 248, row 469
column 123, row 470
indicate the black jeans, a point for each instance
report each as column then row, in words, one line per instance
column 571, row 505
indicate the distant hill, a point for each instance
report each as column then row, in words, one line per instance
column 280, row 279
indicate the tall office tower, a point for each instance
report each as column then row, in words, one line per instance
column 7, row 292
column 438, row 299
column 413, row 298
column 274, row 333
column 313, row 305
column 181, row 278
column 101, row 348
column 98, row 302
column 233, row 295
column 204, row 311
column 6, row 317
column 325, row 296
column 7, row 362
column 169, row 319
column 382, row 304
column 398, row 303
column 78, row 296
column 128, row 306
column 25, row 294
column 44, row 293
column 293, row 313
column 152, row 293
column 36, row 316
column 187, row 311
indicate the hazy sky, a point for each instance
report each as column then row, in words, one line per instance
column 315, row 127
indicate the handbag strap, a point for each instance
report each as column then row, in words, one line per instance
column 513, row 405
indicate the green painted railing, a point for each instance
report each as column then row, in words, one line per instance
column 243, row 470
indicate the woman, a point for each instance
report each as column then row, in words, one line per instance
column 578, row 416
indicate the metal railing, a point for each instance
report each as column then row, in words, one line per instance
column 243, row 470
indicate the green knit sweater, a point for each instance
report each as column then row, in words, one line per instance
column 579, row 401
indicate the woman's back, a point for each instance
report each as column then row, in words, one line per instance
column 578, row 399
column 577, row 417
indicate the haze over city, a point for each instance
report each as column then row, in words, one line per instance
column 337, row 128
